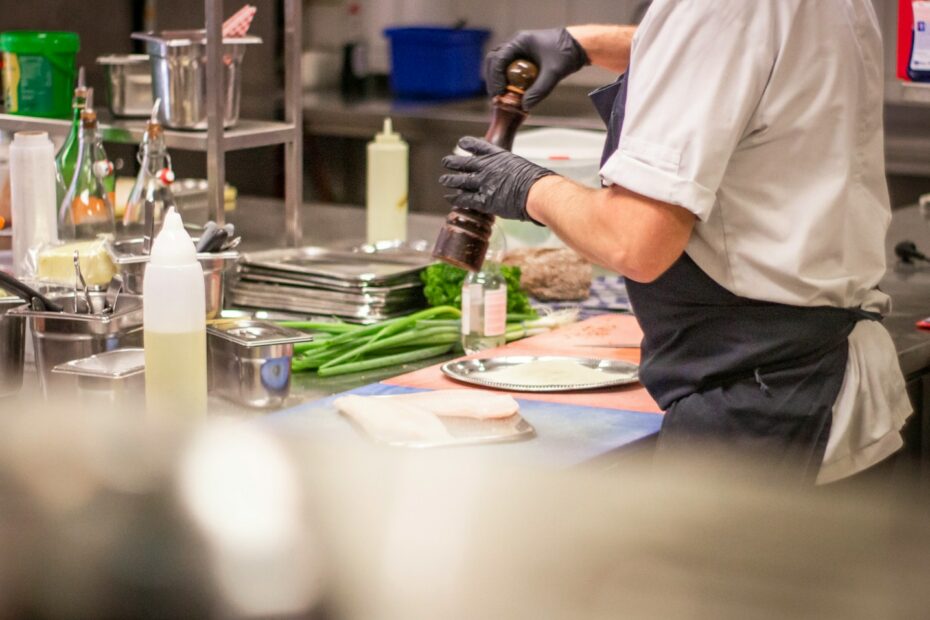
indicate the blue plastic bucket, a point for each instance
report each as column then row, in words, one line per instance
column 435, row 62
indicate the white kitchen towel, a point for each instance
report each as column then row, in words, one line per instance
column 872, row 406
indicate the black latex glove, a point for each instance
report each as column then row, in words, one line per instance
column 492, row 180
column 555, row 52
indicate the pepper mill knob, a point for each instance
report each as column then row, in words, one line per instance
column 520, row 75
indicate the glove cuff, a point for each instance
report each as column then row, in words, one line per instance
column 542, row 173
column 578, row 54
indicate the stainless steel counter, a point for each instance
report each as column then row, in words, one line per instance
column 909, row 286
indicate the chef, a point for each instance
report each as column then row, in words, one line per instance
column 744, row 199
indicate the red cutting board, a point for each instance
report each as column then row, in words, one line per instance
column 607, row 329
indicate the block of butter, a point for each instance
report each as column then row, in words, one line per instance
column 56, row 264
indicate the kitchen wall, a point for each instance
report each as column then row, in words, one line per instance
column 326, row 25
column 907, row 124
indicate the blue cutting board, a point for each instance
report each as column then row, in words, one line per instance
column 566, row 435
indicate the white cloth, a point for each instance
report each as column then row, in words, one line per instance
column 871, row 409
column 764, row 119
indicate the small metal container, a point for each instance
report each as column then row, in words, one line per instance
column 129, row 84
column 12, row 346
column 111, row 380
column 60, row 337
column 179, row 76
column 250, row 361
column 130, row 263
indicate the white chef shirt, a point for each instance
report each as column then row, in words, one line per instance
column 764, row 119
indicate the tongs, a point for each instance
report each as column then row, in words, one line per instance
column 79, row 279
column 216, row 238
column 36, row 300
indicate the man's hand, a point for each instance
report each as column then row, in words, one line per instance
column 491, row 180
column 555, row 52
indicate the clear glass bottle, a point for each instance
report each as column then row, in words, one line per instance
column 67, row 156
column 87, row 209
column 484, row 301
column 153, row 183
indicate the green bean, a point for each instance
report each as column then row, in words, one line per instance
column 389, row 341
column 387, row 360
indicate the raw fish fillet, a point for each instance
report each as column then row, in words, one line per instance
column 416, row 417
column 392, row 422
column 458, row 403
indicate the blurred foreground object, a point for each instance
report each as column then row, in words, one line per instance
column 104, row 517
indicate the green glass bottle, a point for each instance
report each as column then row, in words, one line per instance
column 86, row 209
column 67, row 156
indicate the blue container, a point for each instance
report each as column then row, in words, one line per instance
column 436, row 63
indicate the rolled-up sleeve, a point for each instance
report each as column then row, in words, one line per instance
column 698, row 72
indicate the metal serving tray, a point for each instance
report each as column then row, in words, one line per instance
column 259, row 274
column 372, row 296
column 476, row 372
column 375, row 269
column 353, row 312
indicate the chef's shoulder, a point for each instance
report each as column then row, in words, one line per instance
column 760, row 24
column 724, row 11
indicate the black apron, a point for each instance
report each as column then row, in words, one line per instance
column 747, row 376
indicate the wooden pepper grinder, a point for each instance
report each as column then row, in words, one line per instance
column 463, row 238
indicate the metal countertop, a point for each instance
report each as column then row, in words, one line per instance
column 909, row 287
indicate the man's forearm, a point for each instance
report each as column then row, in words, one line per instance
column 606, row 46
column 636, row 236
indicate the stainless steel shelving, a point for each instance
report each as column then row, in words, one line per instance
column 246, row 134
column 216, row 142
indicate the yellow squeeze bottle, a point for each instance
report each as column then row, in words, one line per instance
column 387, row 183
column 174, row 326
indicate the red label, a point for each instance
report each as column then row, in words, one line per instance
column 905, row 35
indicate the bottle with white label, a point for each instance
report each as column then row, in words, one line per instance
column 387, row 183
column 484, row 302
column 174, row 326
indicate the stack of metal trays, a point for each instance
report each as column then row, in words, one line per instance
column 363, row 285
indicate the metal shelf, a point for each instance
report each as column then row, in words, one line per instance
column 245, row 135
column 216, row 142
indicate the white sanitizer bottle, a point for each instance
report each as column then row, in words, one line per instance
column 174, row 324
column 387, row 185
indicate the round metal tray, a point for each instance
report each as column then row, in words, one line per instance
column 476, row 372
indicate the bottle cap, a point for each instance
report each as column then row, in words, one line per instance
column 80, row 91
column 30, row 138
column 387, row 135
column 173, row 247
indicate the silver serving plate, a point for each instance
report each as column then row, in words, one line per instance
column 475, row 371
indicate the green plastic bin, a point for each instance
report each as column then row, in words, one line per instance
column 39, row 72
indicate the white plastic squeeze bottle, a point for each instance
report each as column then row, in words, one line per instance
column 386, row 198
column 174, row 324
